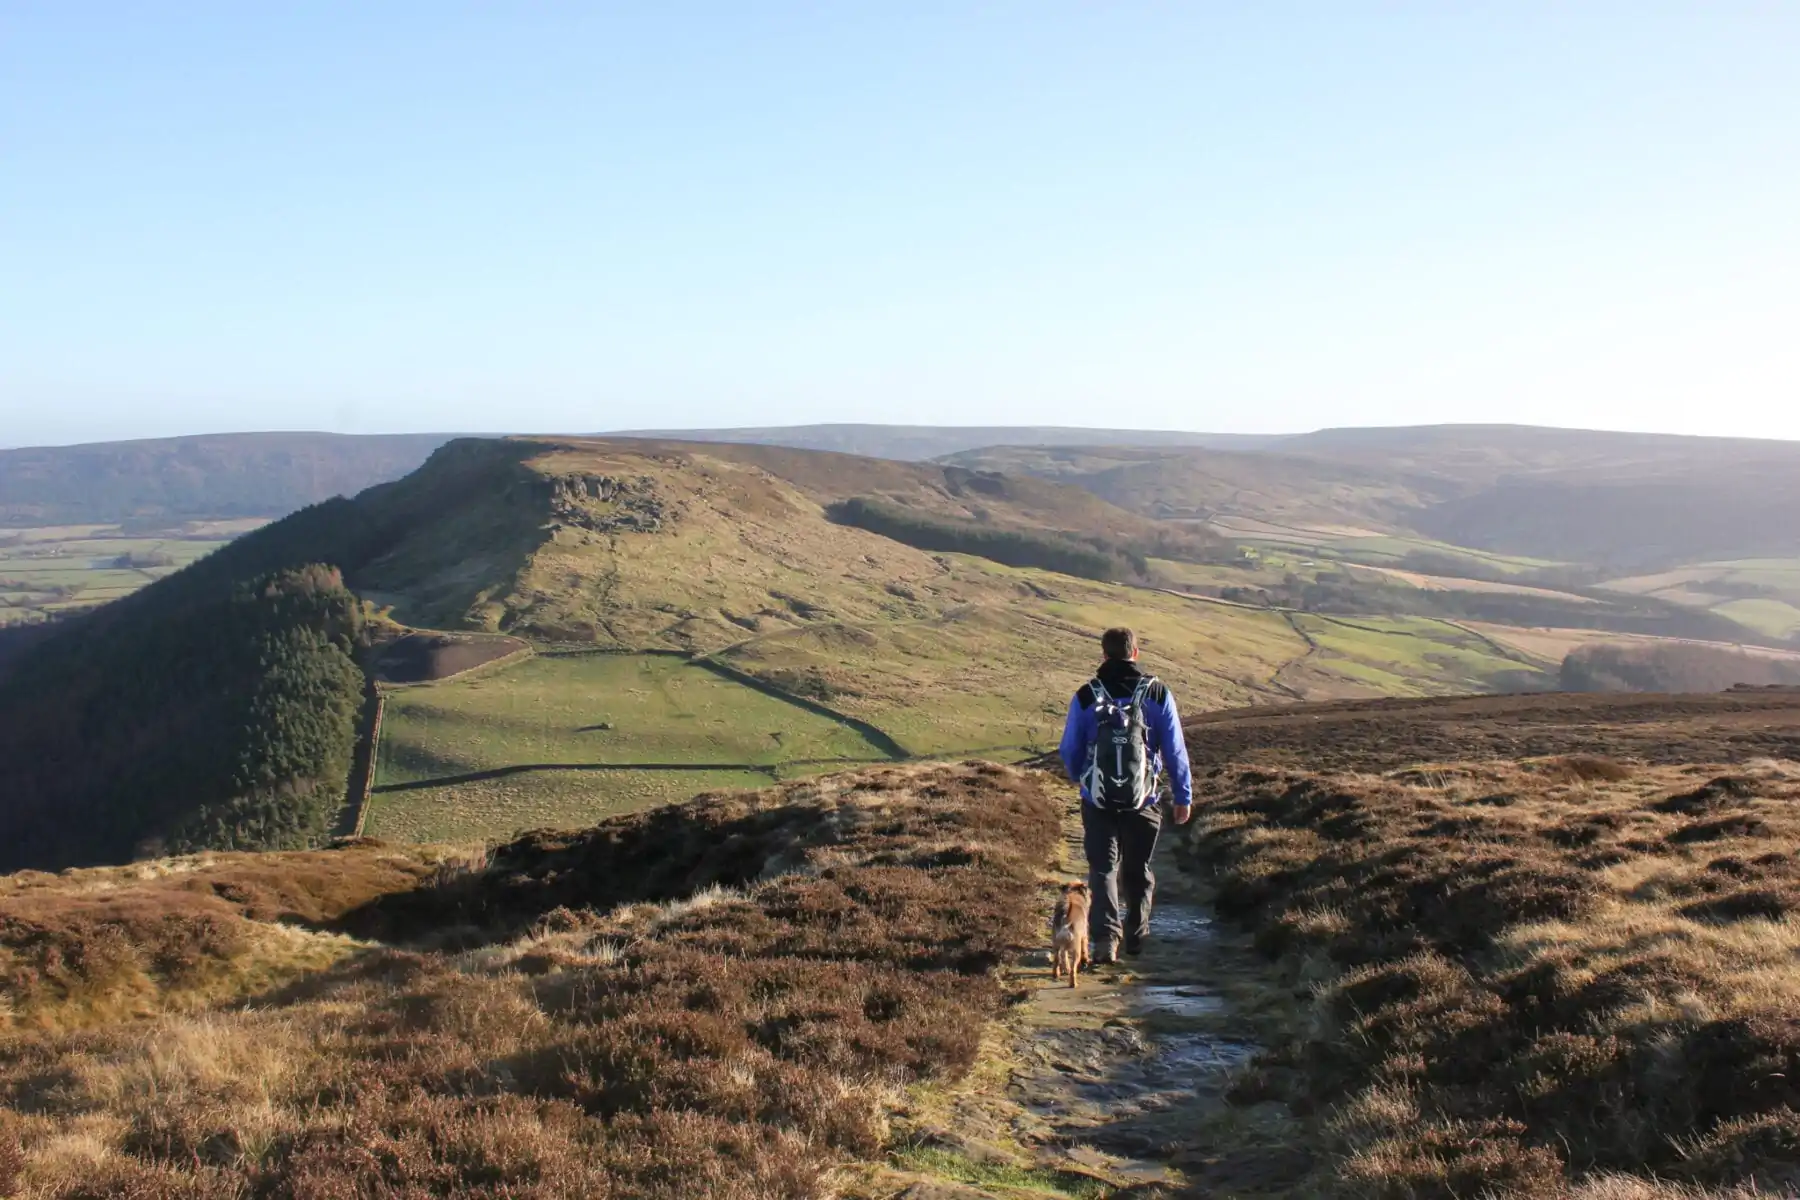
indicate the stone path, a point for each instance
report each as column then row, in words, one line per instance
column 1116, row 1076
column 1116, row 1087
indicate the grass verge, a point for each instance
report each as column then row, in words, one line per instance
column 1004, row 1179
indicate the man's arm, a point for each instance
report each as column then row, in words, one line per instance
column 1074, row 748
column 1172, row 744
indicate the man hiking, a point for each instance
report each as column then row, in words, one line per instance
column 1122, row 731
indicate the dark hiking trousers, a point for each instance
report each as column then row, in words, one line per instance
column 1119, row 846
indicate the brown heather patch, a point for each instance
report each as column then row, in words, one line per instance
column 87, row 947
column 721, row 1001
column 1580, row 991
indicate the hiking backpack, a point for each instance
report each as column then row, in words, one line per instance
column 1118, row 776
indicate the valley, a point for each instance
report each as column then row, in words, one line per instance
column 741, row 612
column 52, row 571
column 703, row 835
column 769, row 639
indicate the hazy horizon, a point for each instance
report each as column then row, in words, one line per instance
column 676, row 432
column 418, row 219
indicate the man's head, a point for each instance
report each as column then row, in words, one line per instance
column 1119, row 645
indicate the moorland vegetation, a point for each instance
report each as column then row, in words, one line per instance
column 1531, row 974
column 724, row 998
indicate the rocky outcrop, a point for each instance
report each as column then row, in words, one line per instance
column 607, row 504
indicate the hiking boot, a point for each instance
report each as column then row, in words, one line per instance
column 1103, row 956
column 1134, row 947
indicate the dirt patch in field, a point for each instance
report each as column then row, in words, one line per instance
column 429, row 657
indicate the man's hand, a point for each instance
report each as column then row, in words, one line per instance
column 1182, row 813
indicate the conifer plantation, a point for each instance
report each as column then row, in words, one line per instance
column 219, row 716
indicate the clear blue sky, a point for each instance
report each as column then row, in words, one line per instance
column 388, row 216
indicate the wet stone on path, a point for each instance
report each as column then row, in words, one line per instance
column 1113, row 1074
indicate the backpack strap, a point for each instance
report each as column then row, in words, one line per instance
column 1090, row 776
column 1148, row 686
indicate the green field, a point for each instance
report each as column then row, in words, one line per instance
column 1392, row 552
column 1294, row 544
column 565, row 740
column 1409, row 656
column 562, row 740
column 61, row 568
column 1777, row 618
column 1761, row 594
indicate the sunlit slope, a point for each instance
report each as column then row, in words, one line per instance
column 1191, row 483
column 640, row 550
column 680, row 548
column 656, row 545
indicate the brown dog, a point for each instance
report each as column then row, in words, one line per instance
column 1069, row 932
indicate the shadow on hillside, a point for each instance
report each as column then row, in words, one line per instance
column 655, row 856
column 770, row 769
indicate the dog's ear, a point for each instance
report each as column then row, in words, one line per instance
column 1078, row 887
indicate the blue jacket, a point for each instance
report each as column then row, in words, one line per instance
column 1168, row 748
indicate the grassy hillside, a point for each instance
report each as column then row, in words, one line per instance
column 729, row 556
column 197, row 478
column 742, row 568
column 563, row 740
column 1760, row 594
column 1632, row 523
column 1214, row 485
column 1620, row 502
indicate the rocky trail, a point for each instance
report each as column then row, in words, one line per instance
column 1118, row 1087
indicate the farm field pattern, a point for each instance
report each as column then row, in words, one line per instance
column 61, row 568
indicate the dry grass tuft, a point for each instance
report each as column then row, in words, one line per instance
column 721, row 1002
column 1583, row 768
column 92, row 947
column 1586, row 989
